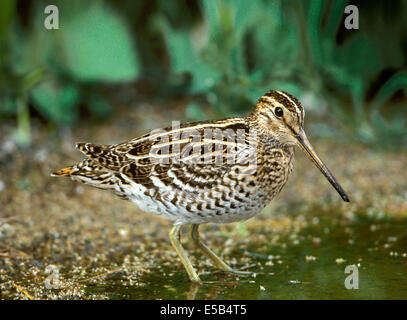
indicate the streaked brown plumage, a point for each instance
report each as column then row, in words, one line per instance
column 210, row 171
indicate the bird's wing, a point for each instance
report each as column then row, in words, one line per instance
column 195, row 154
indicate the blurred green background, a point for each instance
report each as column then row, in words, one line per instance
column 221, row 55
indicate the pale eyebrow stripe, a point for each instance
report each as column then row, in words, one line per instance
column 291, row 100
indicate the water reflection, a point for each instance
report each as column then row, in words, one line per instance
column 309, row 265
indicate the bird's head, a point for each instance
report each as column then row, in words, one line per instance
column 282, row 116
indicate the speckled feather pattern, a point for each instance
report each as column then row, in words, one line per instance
column 163, row 173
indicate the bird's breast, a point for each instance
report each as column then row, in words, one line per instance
column 274, row 168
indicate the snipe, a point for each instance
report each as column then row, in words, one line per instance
column 211, row 171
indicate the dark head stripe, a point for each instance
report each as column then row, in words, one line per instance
column 289, row 101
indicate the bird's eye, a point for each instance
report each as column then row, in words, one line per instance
column 278, row 111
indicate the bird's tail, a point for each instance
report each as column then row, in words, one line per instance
column 65, row 171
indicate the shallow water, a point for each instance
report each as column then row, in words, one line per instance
column 309, row 264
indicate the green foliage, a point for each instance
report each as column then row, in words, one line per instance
column 185, row 59
column 351, row 69
column 250, row 47
column 56, row 101
column 6, row 15
column 57, row 70
column 235, row 64
column 97, row 45
column 224, row 53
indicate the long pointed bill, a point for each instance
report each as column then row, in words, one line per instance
column 306, row 146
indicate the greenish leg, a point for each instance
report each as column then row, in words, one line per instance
column 175, row 236
column 210, row 254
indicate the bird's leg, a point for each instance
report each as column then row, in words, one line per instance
column 175, row 236
column 210, row 254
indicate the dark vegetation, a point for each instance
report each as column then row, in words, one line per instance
column 222, row 55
